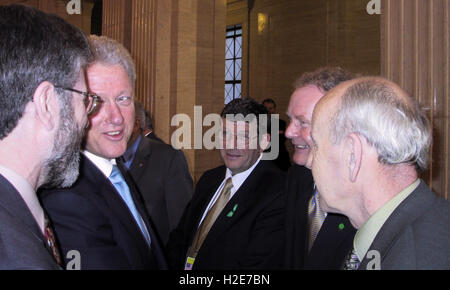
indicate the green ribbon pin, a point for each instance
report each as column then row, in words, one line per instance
column 231, row 213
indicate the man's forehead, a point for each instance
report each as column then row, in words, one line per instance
column 239, row 121
column 327, row 106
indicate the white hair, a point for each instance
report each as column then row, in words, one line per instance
column 395, row 127
column 110, row 52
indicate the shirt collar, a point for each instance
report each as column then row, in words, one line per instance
column 103, row 164
column 27, row 193
column 369, row 230
column 239, row 178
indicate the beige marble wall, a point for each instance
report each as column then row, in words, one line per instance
column 415, row 54
column 82, row 20
column 178, row 47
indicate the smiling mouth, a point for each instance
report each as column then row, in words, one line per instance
column 113, row 135
column 233, row 156
column 302, row 147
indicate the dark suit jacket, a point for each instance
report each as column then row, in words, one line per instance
column 282, row 161
column 92, row 218
column 332, row 243
column 153, row 136
column 251, row 238
column 162, row 176
column 416, row 235
column 22, row 244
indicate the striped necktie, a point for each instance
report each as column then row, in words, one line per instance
column 207, row 223
column 351, row 261
column 316, row 217
column 51, row 241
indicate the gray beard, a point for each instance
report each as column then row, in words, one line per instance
column 62, row 168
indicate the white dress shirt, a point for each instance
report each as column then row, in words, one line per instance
column 237, row 180
column 103, row 164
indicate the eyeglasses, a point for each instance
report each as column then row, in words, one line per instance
column 91, row 101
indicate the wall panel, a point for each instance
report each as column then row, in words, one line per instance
column 415, row 54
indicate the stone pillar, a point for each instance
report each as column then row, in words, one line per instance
column 415, row 54
column 179, row 50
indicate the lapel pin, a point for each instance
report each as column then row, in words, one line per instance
column 231, row 213
column 341, row 226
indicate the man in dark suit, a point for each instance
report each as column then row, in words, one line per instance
column 41, row 127
column 162, row 176
column 235, row 219
column 282, row 160
column 370, row 141
column 314, row 239
column 102, row 216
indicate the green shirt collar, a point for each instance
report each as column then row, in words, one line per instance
column 368, row 231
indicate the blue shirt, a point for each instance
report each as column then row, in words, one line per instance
column 128, row 156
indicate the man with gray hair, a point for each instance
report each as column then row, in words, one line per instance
column 102, row 217
column 145, row 122
column 370, row 141
column 43, row 116
column 314, row 240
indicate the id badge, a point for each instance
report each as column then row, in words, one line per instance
column 189, row 263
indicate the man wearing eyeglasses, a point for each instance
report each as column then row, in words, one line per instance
column 41, row 128
column 102, row 217
column 235, row 218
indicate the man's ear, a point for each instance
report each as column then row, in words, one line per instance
column 46, row 104
column 354, row 155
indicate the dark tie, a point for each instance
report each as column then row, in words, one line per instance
column 207, row 223
column 122, row 188
column 351, row 261
column 316, row 217
column 50, row 241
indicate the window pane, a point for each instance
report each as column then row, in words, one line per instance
column 228, row 93
column 237, row 91
column 229, row 70
column 238, row 69
column 238, row 44
column 229, row 48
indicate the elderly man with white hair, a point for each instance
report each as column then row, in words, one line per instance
column 370, row 141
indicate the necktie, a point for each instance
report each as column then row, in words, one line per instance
column 122, row 188
column 316, row 217
column 351, row 261
column 207, row 223
column 51, row 241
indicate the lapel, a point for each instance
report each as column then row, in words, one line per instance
column 12, row 202
column 304, row 192
column 336, row 227
column 103, row 187
column 299, row 189
column 141, row 157
column 239, row 204
column 138, row 202
column 411, row 208
column 212, row 182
